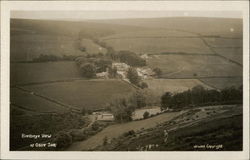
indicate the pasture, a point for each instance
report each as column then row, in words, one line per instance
column 89, row 94
column 235, row 54
column 33, row 103
column 181, row 66
column 156, row 45
column 26, row 47
column 160, row 86
column 23, row 73
column 221, row 83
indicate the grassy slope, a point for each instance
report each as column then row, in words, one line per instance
column 204, row 26
column 21, row 73
column 114, row 131
column 186, row 66
column 32, row 102
column 30, row 38
column 91, row 94
column 215, row 127
column 160, row 86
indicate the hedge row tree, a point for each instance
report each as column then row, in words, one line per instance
column 131, row 58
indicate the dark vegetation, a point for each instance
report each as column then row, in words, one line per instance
column 199, row 96
column 40, row 124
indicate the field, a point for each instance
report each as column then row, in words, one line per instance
column 33, row 103
column 191, row 65
column 152, row 45
column 235, row 54
column 23, row 73
column 26, row 47
column 201, row 25
column 89, row 94
column 221, row 83
column 160, row 86
column 91, row 47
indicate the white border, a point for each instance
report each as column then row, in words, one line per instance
column 7, row 6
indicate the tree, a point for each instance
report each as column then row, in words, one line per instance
column 63, row 140
column 166, row 100
column 140, row 99
column 105, row 140
column 122, row 107
column 88, row 70
column 133, row 77
column 112, row 72
column 143, row 85
column 146, row 115
column 83, row 111
column 157, row 71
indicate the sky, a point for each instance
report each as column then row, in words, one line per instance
column 89, row 15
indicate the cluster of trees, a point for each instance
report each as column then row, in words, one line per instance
column 51, row 58
column 198, row 96
column 90, row 66
column 131, row 58
column 122, row 107
column 134, row 78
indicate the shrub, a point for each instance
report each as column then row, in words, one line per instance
column 63, row 140
column 146, row 115
column 105, row 140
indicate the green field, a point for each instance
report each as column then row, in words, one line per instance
column 235, row 54
column 23, row 73
column 201, row 25
column 90, row 94
column 29, row 102
column 179, row 66
column 160, row 86
column 151, row 45
column 26, row 47
column 221, row 83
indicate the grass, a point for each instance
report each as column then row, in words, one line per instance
column 33, row 103
column 160, row 86
column 221, row 83
column 216, row 130
column 158, row 45
column 179, row 66
column 114, row 131
column 235, row 54
column 90, row 94
column 26, row 47
column 21, row 73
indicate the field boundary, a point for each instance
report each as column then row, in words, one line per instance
column 74, row 109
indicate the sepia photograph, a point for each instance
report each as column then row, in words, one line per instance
column 126, row 80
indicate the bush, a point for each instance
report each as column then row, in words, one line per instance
column 88, row 70
column 63, row 140
column 146, row 115
column 105, row 140
column 77, row 135
column 133, row 77
column 129, row 133
column 143, row 85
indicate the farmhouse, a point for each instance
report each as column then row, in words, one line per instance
column 144, row 72
column 102, row 75
column 121, row 66
column 105, row 117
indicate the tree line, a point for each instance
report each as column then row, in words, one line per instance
column 199, row 96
